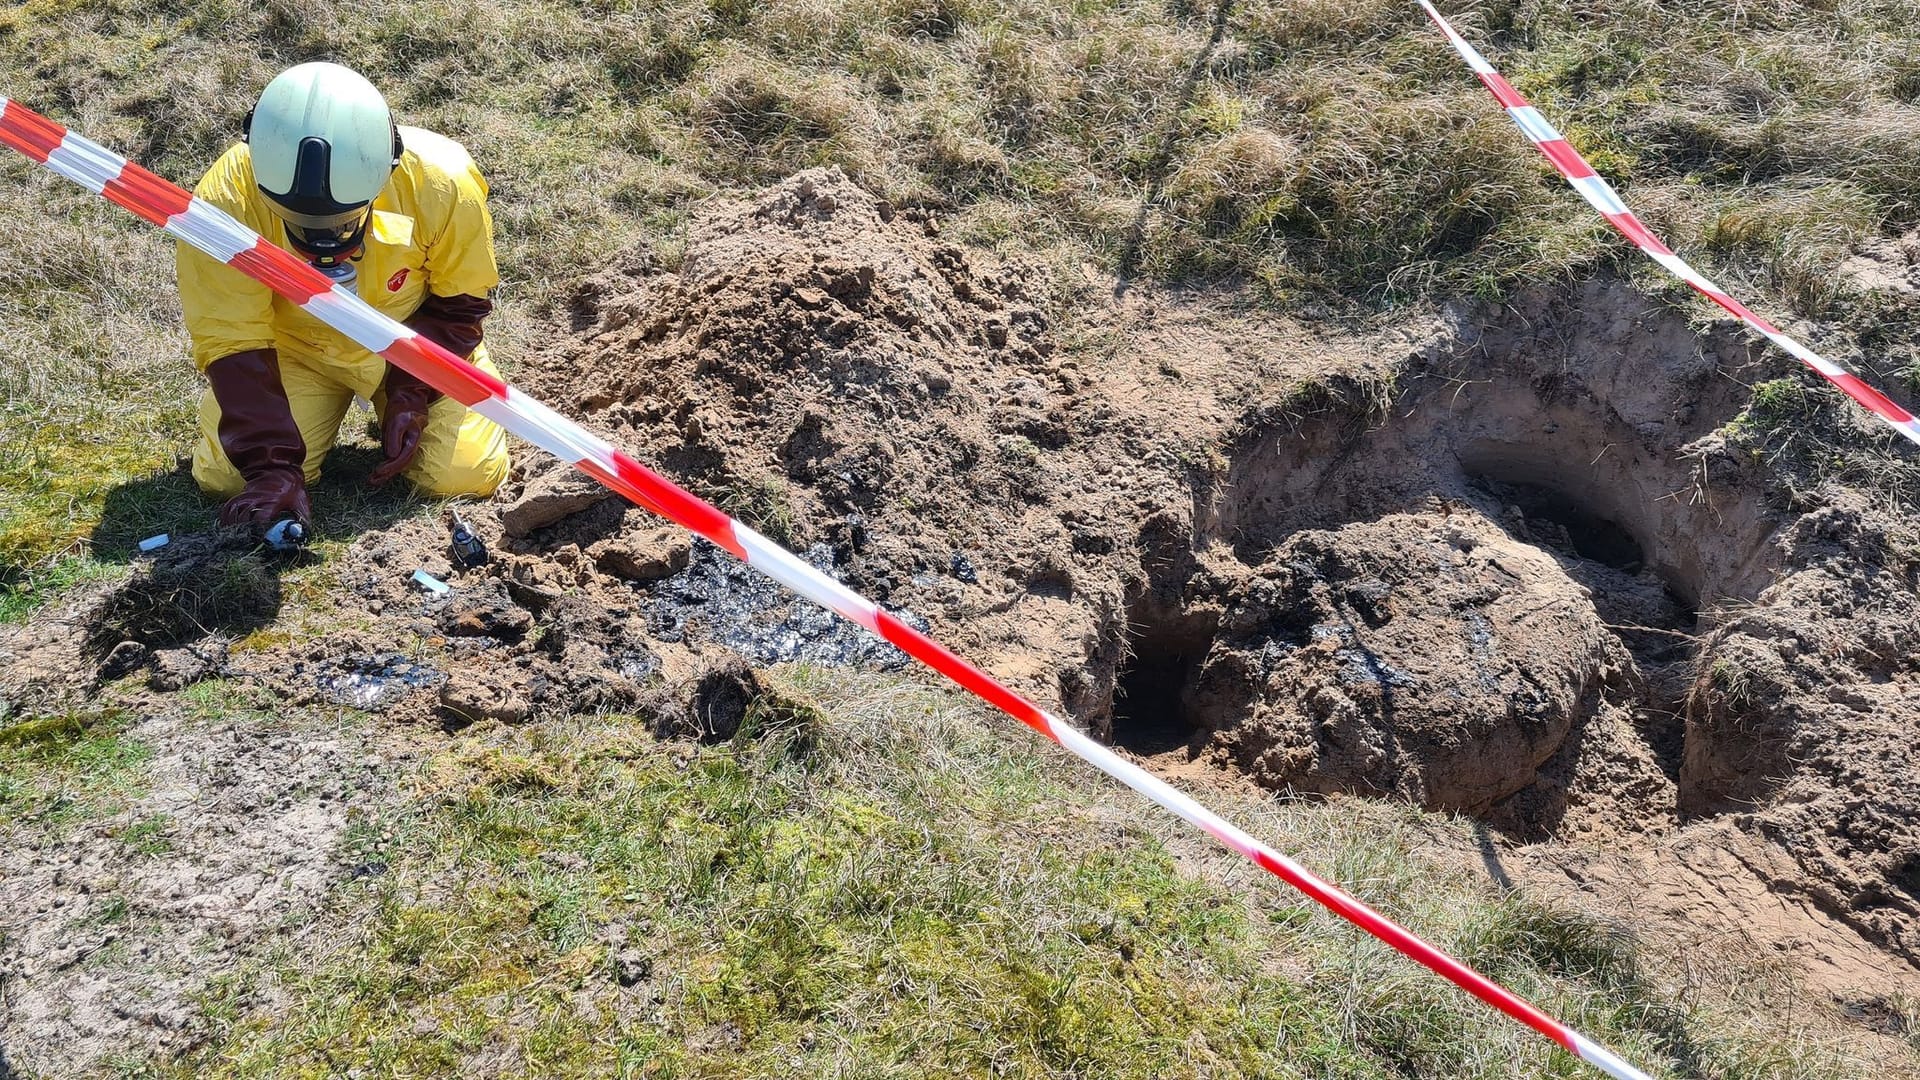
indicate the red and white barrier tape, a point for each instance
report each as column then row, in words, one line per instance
column 214, row 232
column 1595, row 189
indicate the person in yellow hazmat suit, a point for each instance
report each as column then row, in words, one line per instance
column 398, row 214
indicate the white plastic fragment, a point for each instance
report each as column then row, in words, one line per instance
column 153, row 542
column 430, row 583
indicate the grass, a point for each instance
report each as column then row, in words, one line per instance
column 148, row 836
column 581, row 900
column 762, row 501
column 1813, row 442
column 65, row 767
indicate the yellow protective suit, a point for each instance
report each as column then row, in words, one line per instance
column 430, row 232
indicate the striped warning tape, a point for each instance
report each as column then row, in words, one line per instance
column 214, row 232
column 1600, row 194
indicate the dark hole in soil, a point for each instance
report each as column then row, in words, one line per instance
column 1685, row 618
column 1149, row 713
column 1906, row 876
column 1562, row 523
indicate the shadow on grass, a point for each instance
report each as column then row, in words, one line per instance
column 213, row 580
column 1170, row 136
column 343, row 506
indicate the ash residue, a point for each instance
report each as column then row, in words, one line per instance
column 373, row 682
column 721, row 600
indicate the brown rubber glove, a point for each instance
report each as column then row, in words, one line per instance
column 260, row 439
column 402, row 420
column 453, row 323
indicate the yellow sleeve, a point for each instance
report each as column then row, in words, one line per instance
column 460, row 258
column 226, row 311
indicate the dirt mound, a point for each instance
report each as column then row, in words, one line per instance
column 857, row 353
column 1324, row 672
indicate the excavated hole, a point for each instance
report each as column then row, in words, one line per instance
column 1629, row 590
column 1153, row 708
column 1337, row 520
column 1149, row 712
column 1565, row 525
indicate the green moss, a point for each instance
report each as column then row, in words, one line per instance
column 29, row 590
column 55, row 484
column 69, row 766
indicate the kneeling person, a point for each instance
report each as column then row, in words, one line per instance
column 399, row 214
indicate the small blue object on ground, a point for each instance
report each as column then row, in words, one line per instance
column 287, row 535
column 430, row 583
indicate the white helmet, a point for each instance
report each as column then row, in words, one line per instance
column 323, row 145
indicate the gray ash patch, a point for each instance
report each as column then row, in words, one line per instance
column 1359, row 666
column 373, row 682
column 638, row 663
column 721, row 600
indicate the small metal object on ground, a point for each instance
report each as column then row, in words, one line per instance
column 468, row 551
column 287, row 534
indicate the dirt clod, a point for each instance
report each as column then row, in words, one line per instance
column 484, row 609
column 175, row 669
column 644, row 558
column 468, row 698
column 1426, row 655
column 631, row 967
column 730, row 700
column 122, row 660
column 718, row 701
column 552, row 498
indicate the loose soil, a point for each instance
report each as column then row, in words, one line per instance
column 1495, row 561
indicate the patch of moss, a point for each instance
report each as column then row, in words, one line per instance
column 69, row 766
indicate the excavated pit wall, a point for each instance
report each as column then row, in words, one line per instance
column 1442, row 593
